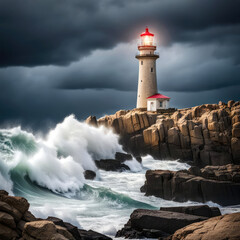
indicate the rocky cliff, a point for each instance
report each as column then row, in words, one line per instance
column 207, row 135
column 219, row 184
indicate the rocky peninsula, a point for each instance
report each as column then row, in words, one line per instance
column 203, row 135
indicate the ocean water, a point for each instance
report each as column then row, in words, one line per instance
column 48, row 171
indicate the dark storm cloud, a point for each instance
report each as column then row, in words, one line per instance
column 42, row 32
column 59, row 57
column 38, row 107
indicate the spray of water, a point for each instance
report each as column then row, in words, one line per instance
column 56, row 162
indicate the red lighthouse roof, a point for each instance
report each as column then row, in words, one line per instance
column 147, row 33
column 158, row 95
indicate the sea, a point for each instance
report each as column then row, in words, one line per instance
column 48, row 170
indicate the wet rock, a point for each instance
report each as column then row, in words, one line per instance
column 64, row 232
column 29, row 217
column 111, row 165
column 6, row 233
column 155, row 223
column 198, row 210
column 3, row 192
column 25, row 226
column 87, row 235
column 218, row 184
column 123, row 156
column 73, row 230
column 88, row 174
column 19, row 203
column 7, row 220
column 221, row 228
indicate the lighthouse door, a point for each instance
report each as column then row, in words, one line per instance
column 152, row 106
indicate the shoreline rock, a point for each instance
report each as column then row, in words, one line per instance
column 221, row 228
column 220, row 184
column 198, row 210
column 159, row 224
column 16, row 222
column 206, row 135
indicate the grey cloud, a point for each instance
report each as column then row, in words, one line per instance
column 58, row 32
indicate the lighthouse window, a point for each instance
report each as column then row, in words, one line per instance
column 141, row 62
column 151, row 69
column 160, row 104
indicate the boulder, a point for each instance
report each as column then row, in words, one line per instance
column 3, row 192
column 89, row 174
column 73, row 230
column 64, row 232
column 87, row 235
column 40, row 230
column 218, row 184
column 123, row 156
column 29, row 217
column 198, row 210
column 56, row 221
column 155, row 223
column 19, row 203
column 6, row 233
column 7, row 220
column 111, row 165
column 220, row 228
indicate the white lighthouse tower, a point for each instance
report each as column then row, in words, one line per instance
column 147, row 96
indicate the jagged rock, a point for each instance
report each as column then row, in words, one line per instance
column 123, row 156
column 20, row 225
column 19, row 203
column 235, row 144
column 198, row 210
column 3, row 192
column 218, row 184
column 6, row 233
column 111, row 165
column 87, row 235
column 230, row 103
column 155, row 223
column 7, row 220
column 64, row 232
column 56, row 221
column 236, row 130
column 73, row 230
column 206, row 134
column 88, row 174
column 220, row 228
column 29, row 217
column 91, row 120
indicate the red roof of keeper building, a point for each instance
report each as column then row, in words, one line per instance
column 147, row 33
column 158, row 95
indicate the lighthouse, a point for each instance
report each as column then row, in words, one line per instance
column 147, row 94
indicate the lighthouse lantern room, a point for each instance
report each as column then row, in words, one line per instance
column 147, row 95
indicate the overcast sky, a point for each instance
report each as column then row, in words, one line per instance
column 60, row 57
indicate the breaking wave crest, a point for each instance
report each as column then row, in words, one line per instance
column 56, row 162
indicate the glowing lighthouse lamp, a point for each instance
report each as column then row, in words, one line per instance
column 148, row 96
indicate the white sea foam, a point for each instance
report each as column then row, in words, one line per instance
column 58, row 161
